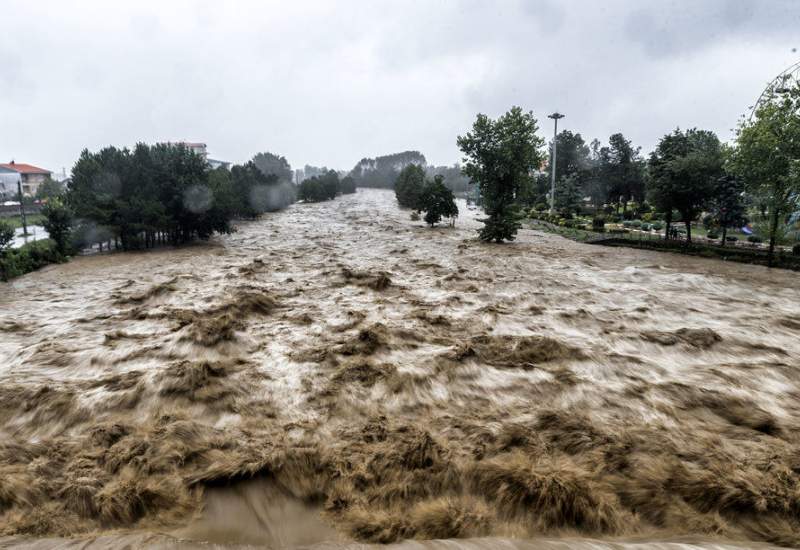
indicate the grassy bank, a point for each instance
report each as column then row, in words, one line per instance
column 16, row 221
column 729, row 253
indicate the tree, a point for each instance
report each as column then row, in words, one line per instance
column 684, row 170
column 319, row 188
column 622, row 170
column 573, row 160
column 382, row 171
column 409, row 186
column 501, row 155
column 57, row 223
column 150, row 195
column 727, row 205
column 767, row 156
column 437, row 201
column 6, row 235
column 49, row 189
column 454, row 179
column 347, row 185
column 568, row 198
column 271, row 164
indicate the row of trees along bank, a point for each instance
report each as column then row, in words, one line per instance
column 164, row 193
column 755, row 178
column 325, row 187
column 150, row 195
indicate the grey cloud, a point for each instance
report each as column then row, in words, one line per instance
column 328, row 83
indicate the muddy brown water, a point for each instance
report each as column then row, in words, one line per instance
column 336, row 376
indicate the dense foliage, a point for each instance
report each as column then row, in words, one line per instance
column 58, row 223
column 383, row 171
column 501, row 156
column 6, row 235
column 767, row 157
column 29, row 257
column 320, row 188
column 164, row 193
column 727, row 208
column 437, row 201
column 409, row 185
column 274, row 165
column 684, row 172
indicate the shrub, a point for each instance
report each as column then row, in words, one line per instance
column 647, row 217
column 712, row 235
column 658, row 226
column 754, row 239
column 636, row 223
column 6, row 235
column 598, row 223
column 627, row 223
column 415, row 216
column 540, row 206
column 569, row 223
column 582, row 226
column 731, row 239
column 646, row 227
column 29, row 257
column 796, row 249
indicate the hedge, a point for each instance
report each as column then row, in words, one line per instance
column 29, row 257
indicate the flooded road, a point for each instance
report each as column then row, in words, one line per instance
column 336, row 374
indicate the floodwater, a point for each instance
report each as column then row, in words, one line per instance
column 35, row 233
column 336, row 375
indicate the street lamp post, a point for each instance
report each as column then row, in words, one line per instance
column 555, row 116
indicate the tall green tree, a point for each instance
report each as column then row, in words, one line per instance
column 568, row 198
column 727, row 204
column 622, row 171
column 272, row 164
column 684, row 170
column 767, row 157
column 409, row 186
column 58, row 223
column 437, row 201
column 501, row 156
column 49, row 189
column 572, row 161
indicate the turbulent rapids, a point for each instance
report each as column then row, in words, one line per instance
column 337, row 374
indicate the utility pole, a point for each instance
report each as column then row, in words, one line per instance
column 555, row 116
column 22, row 207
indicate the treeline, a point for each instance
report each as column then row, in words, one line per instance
column 325, row 187
column 164, row 193
column 691, row 173
column 382, row 172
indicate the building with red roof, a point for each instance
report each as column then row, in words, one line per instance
column 29, row 176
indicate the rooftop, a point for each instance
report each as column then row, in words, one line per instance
column 23, row 168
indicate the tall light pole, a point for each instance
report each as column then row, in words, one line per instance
column 555, row 116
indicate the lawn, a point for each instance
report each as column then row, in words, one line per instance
column 16, row 221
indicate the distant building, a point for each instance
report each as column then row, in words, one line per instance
column 219, row 164
column 202, row 150
column 31, row 177
column 199, row 148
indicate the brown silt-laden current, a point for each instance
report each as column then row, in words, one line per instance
column 336, row 375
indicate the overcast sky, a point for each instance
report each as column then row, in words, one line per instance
column 327, row 83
